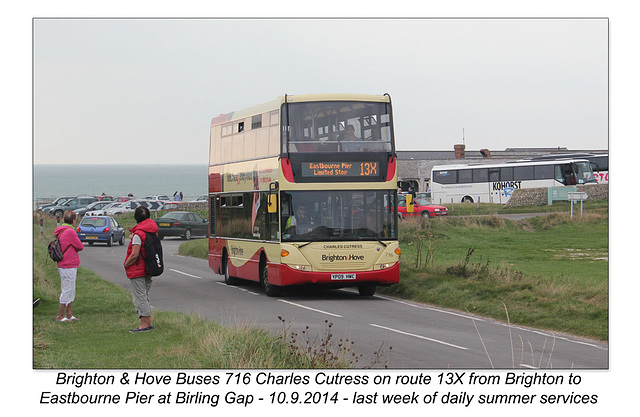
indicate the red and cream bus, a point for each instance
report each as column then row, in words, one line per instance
column 302, row 190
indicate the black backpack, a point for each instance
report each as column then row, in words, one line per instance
column 55, row 250
column 153, row 255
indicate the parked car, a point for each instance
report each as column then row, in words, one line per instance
column 102, row 211
column 101, row 229
column 421, row 207
column 182, row 223
column 121, row 199
column 58, row 201
column 160, row 197
column 171, row 205
column 201, row 199
column 119, row 208
column 71, row 204
column 104, row 197
column 91, row 207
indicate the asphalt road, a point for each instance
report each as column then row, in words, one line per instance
column 408, row 335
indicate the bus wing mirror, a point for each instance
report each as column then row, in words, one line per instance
column 409, row 203
column 272, row 202
column 272, row 206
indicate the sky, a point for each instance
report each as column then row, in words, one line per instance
column 110, row 90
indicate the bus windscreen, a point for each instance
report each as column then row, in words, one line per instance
column 350, row 215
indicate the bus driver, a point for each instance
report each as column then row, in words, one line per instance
column 301, row 218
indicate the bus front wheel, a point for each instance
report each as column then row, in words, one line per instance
column 467, row 199
column 269, row 289
column 228, row 279
column 367, row 290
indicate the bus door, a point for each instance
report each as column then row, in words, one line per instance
column 495, row 187
column 564, row 174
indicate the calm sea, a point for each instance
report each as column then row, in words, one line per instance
column 51, row 181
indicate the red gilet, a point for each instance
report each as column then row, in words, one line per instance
column 139, row 269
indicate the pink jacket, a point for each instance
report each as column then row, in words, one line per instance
column 70, row 244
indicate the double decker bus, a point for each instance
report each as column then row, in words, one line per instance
column 494, row 183
column 302, row 190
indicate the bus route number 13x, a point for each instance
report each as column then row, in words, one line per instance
column 368, row 168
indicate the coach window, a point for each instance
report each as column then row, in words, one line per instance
column 558, row 174
column 602, row 163
column 494, row 174
column 506, row 174
column 523, row 173
column 464, row 176
column 444, row 177
column 543, row 172
column 480, row 175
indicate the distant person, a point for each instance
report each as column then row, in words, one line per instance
column 181, row 196
column 68, row 266
column 375, row 135
column 136, row 269
column 349, row 140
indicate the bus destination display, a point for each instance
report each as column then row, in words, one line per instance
column 339, row 169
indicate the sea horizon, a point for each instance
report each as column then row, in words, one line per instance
column 57, row 180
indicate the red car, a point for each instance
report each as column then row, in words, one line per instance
column 421, row 207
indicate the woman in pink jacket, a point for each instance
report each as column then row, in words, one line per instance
column 68, row 266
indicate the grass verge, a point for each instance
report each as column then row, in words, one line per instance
column 100, row 338
column 550, row 271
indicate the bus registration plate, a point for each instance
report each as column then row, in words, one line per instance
column 342, row 277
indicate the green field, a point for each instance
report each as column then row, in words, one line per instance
column 548, row 272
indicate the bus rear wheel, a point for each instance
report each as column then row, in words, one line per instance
column 467, row 199
column 367, row 290
column 269, row 289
